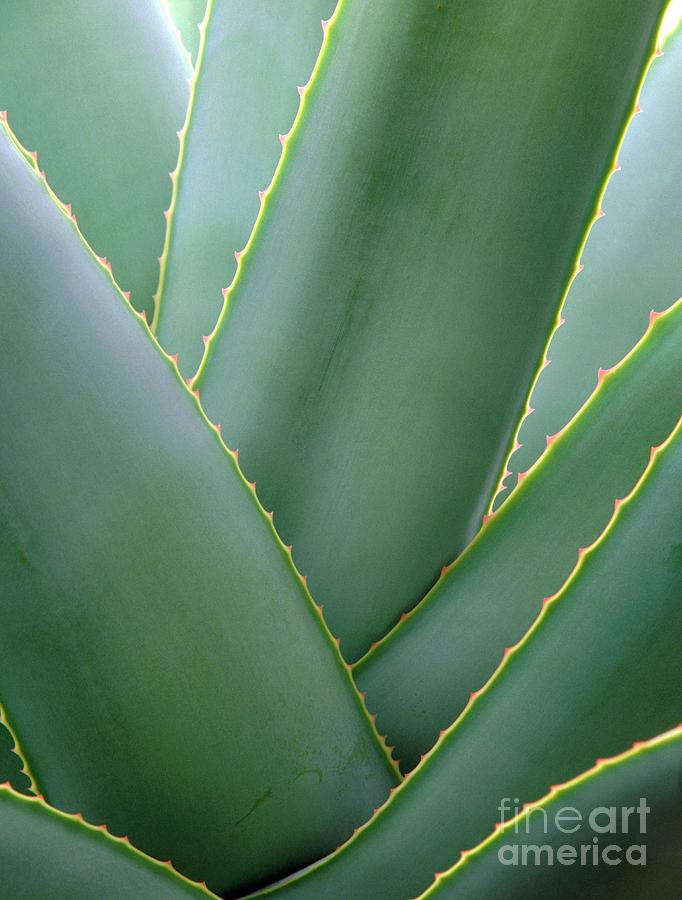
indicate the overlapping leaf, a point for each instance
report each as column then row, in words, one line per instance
column 387, row 320
column 599, row 669
column 161, row 661
column 100, row 91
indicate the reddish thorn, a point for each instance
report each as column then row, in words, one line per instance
column 304, row 578
column 34, row 156
column 531, row 410
column 507, row 651
column 223, row 291
column 658, row 52
column 218, row 427
column 79, row 816
column 517, row 446
column 550, row 438
column 545, row 600
column 261, row 195
column 638, row 109
column 600, row 213
column 502, row 487
column 196, row 394
column 617, row 166
column 205, row 338
column 580, row 267
column 126, row 294
column 487, row 517
column 300, row 90
column 616, row 503
column 174, row 358
column 282, row 139
column 521, row 476
column 252, row 485
column 402, row 617
column 581, row 552
column 562, row 321
column 238, row 254
column 443, row 571
column 473, row 695
column 653, row 315
column 143, row 314
column 3, row 115
column 325, row 24
column 166, row 213
column 67, row 207
column 545, row 363
column 600, row 375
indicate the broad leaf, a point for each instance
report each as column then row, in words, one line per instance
column 254, row 53
column 419, row 678
column 161, row 661
column 99, row 91
column 634, row 800
column 632, row 257
column 45, row 855
column 599, row 669
column 387, row 320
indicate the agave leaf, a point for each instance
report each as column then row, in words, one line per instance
column 599, row 668
column 379, row 344
column 253, row 55
column 45, row 855
column 419, row 677
column 650, row 770
column 187, row 14
column 100, row 94
column 633, row 255
column 161, row 662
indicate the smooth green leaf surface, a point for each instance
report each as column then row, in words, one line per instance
column 642, row 846
column 632, row 259
column 99, row 91
column 161, row 662
column 387, row 321
column 256, row 53
column 45, row 855
column 420, row 677
column 600, row 669
column 187, row 14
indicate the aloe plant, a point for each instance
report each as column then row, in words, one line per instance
column 323, row 682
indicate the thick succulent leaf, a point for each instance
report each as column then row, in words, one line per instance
column 600, row 668
column 391, row 310
column 161, row 661
column 187, row 14
column 645, row 845
column 254, row 55
column 632, row 256
column 99, row 92
column 419, row 678
column 46, row 855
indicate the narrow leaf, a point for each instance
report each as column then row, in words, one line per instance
column 632, row 256
column 419, row 678
column 99, row 91
column 161, row 661
column 389, row 315
column 253, row 55
column 599, row 669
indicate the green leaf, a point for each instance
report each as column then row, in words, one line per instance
column 100, row 94
column 161, row 661
column 641, row 846
column 187, row 14
column 46, row 855
column 12, row 766
column 419, row 678
column 253, row 56
column 388, row 317
column 632, row 257
column 599, row 669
